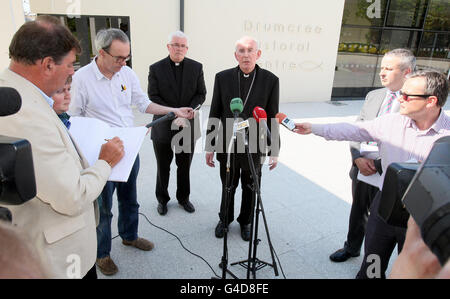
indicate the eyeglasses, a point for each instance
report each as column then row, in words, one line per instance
column 119, row 59
column 407, row 97
column 182, row 46
column 243, row 51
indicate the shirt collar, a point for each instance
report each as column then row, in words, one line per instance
column 438, row 125
column 388, row 92
column 48, row 99
column 98, row 74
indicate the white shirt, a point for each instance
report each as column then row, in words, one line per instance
column 94, row 95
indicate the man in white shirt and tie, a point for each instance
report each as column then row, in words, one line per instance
column 395, row 66
column 107, row 89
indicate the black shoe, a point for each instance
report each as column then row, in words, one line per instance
column 162, row 209
column 245, row 232
column 188, row 206
column 342, row 255
column 220, row 229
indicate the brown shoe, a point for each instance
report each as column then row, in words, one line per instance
column 107, row 266
column 140, row 243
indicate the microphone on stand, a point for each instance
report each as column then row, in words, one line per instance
column 10, row 101
column 236, row 106
column 168, row 116
column 260, row 115
column 285, row 121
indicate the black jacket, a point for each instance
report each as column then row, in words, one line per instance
column 264, row 93
column 162, row 89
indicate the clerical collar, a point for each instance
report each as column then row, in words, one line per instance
column 176, row 63
column 246, row 76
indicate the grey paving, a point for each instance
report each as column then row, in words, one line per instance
column 306, row 201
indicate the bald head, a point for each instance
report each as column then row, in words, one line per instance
column 247, row 53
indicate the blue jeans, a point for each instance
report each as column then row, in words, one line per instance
column 128, row 212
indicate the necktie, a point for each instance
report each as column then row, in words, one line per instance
column 385, row 109
column 388, row 105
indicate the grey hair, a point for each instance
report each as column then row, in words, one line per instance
column 436, row 84
column 408, row 60
column 105, row 37
column 239, row 41
column 177, row 33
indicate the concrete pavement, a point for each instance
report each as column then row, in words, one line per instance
column 306, row 199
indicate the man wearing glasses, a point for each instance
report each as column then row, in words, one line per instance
column 404, row 136
column 107, row 89
column 256, row 87
column 366, row 165
column 175, row 81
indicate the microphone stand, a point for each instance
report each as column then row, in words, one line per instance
column 253, row 264
column 228, row 188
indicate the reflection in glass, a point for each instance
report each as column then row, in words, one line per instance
column 435, row 45
column 361, row 12
column 406, row 13
column 438, row 16
column 357, row 58
column 359, row 40
column 392, row 39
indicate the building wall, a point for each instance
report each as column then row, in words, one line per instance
column 151, row 21
column 11, row 18
column 299, row 38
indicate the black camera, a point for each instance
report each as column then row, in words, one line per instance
column 17, row 180
column 422, row 191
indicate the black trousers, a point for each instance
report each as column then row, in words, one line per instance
column 91, row 274
column 381, row 239
column 363, row 195
column 236, row 173
column 164, row 156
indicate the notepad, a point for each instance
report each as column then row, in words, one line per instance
column 90, row 133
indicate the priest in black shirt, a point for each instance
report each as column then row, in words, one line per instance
column 256, row 87
column 175, row 81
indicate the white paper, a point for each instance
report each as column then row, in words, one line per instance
column 370, row 151
column 373, row 179
column 90, row 134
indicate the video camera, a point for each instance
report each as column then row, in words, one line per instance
column 17, row 180
column 422, row 191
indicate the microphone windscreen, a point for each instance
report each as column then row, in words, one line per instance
column 10, row 101
column 236, row 105
column 280, row 116
column 259, row 114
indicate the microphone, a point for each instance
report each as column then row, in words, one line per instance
column 236, row 107
column 168, row 116
column 10, row 101
column 285, row 121
column 261, row 117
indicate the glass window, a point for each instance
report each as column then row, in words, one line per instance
column 362, row 12
column 435, row 45
column 438, row 17
column 357, row 58
column 393, row 39
column 406, row 13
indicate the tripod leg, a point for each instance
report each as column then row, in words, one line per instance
column 274, row 265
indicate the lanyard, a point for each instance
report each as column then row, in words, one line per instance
column 249, row 90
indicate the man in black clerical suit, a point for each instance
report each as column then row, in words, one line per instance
column 256, row 87
column 175, row 81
